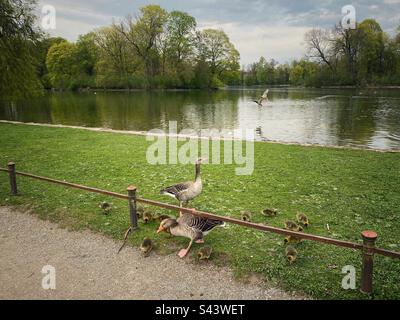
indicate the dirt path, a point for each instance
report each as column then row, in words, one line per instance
column 87, row 267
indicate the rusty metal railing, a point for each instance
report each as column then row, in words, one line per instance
column 367, row 247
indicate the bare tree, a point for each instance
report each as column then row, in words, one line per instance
column 347, row 44
column 319, row 47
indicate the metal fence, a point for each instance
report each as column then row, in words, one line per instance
column 369, row 237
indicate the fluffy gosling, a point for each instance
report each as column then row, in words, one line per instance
column 293, row 226
column 146, row 246
column 245, row 216
column 147, row 216
column 204, row 253
column 302, row 219
column 291, row 239
column 105, row 206
column 139, row 212
column 291, row 254
column 269, row 212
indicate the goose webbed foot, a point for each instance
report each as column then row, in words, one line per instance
column 183, row 253
column 199, row 241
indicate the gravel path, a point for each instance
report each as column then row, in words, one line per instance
column 87, row 267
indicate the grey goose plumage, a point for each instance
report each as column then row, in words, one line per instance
column 189, row 226
column 186, row 191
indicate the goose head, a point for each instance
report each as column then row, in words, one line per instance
column 201, row 160
column 166, row 224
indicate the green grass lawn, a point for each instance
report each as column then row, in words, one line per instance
column 351, row 190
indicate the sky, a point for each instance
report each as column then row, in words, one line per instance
column 270, row 28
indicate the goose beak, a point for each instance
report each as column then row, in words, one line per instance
column 202, row 160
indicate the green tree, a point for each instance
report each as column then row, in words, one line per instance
column 18, row 41
column 62, row 64
column 372, row 48
column 179, row 46
column 181, row 28
column 42, row 49
column 215, row 49
column 87, row 53
column 142, row 35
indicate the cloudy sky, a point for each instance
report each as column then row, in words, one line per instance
column 270, row 28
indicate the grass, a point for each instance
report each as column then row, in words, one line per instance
column 351, row 190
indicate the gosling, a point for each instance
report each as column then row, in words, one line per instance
column 291, row 239
column 147, row 216
column 293, row 226
column 269, row 212
column 246, row 216
column 105, row 206
column 139, row 212
column 291, row 254
column 204, row 253
column 146, row 246
column 302, row 219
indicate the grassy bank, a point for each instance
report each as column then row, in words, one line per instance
column 350, row 190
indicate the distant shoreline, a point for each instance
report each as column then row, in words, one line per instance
column 377, row 87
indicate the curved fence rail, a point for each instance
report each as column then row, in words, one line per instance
column 367, row 247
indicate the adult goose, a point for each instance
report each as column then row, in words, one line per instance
column 185, row 191
column 189, row 226
column 262, row 98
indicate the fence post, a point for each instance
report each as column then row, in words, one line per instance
column 369, row 238
column 13, row 178
column 132, row 205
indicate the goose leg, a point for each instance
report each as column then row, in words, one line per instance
column 184, row 252
column 180, row 205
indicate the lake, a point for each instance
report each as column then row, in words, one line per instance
column 339, row 117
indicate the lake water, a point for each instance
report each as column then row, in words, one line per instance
column 344, row 117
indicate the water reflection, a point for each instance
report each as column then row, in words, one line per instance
column 328, row 117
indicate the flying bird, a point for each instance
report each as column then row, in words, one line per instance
column 264, row 97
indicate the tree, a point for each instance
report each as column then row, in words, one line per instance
column 18, row 40
column 87, row 53
column 178, row 47
column 181, row 28
column 62, row 64
column 214, row 48
column 42, row 49
column 116, row 60
column 346, row 44
column 318, row 42
column 372, row 48
column 142, row 35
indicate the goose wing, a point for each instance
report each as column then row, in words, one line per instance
column 199, row 223
column 176, row 189
column 265, row 95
